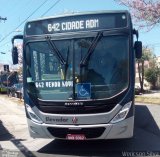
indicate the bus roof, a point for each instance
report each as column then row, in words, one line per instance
column 81, row 13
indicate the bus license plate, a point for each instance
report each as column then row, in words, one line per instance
column 75, row 137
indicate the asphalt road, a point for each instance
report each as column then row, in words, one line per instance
column 15, row 140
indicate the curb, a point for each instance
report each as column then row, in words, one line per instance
column 147, row 100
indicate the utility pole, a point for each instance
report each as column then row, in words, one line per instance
column 3, row 18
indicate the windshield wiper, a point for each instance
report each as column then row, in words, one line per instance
column 59, row 55
column 91, row 49
column 54, row 49
column 66, row 65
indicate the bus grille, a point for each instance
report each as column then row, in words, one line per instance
column 88, row 132
column 57, row 109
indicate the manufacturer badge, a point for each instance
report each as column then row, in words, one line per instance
column 74, row 120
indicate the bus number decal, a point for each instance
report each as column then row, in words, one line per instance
column 40, row 84
column 54, row 27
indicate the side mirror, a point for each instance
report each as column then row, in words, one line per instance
column 15, row 55
column 138, row 49
column 14, row 49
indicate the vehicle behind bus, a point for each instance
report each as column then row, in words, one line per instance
column 7, row 79
column 79, row 74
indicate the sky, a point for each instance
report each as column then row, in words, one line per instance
column 18, row 11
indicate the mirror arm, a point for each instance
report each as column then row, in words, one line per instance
column 135, row 32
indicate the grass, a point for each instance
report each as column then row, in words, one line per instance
column 148, row 100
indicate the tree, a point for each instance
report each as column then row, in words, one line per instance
column 152, row 73
column 145, row 12
column 146, row 56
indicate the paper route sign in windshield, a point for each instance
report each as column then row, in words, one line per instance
column 53, row 84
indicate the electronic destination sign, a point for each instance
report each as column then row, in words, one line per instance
column 76, row 23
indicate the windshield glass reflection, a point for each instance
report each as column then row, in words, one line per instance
column 106, row 69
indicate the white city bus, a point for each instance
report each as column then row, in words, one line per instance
column 78, row 75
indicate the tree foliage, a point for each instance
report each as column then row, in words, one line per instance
column 147, row 54
column 152, row 73
column 145, row 12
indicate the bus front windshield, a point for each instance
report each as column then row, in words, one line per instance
column 55, row 68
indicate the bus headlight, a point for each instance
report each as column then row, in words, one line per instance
column 122, row 113
column 32, row 115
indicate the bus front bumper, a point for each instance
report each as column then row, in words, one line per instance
column 122, row 129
